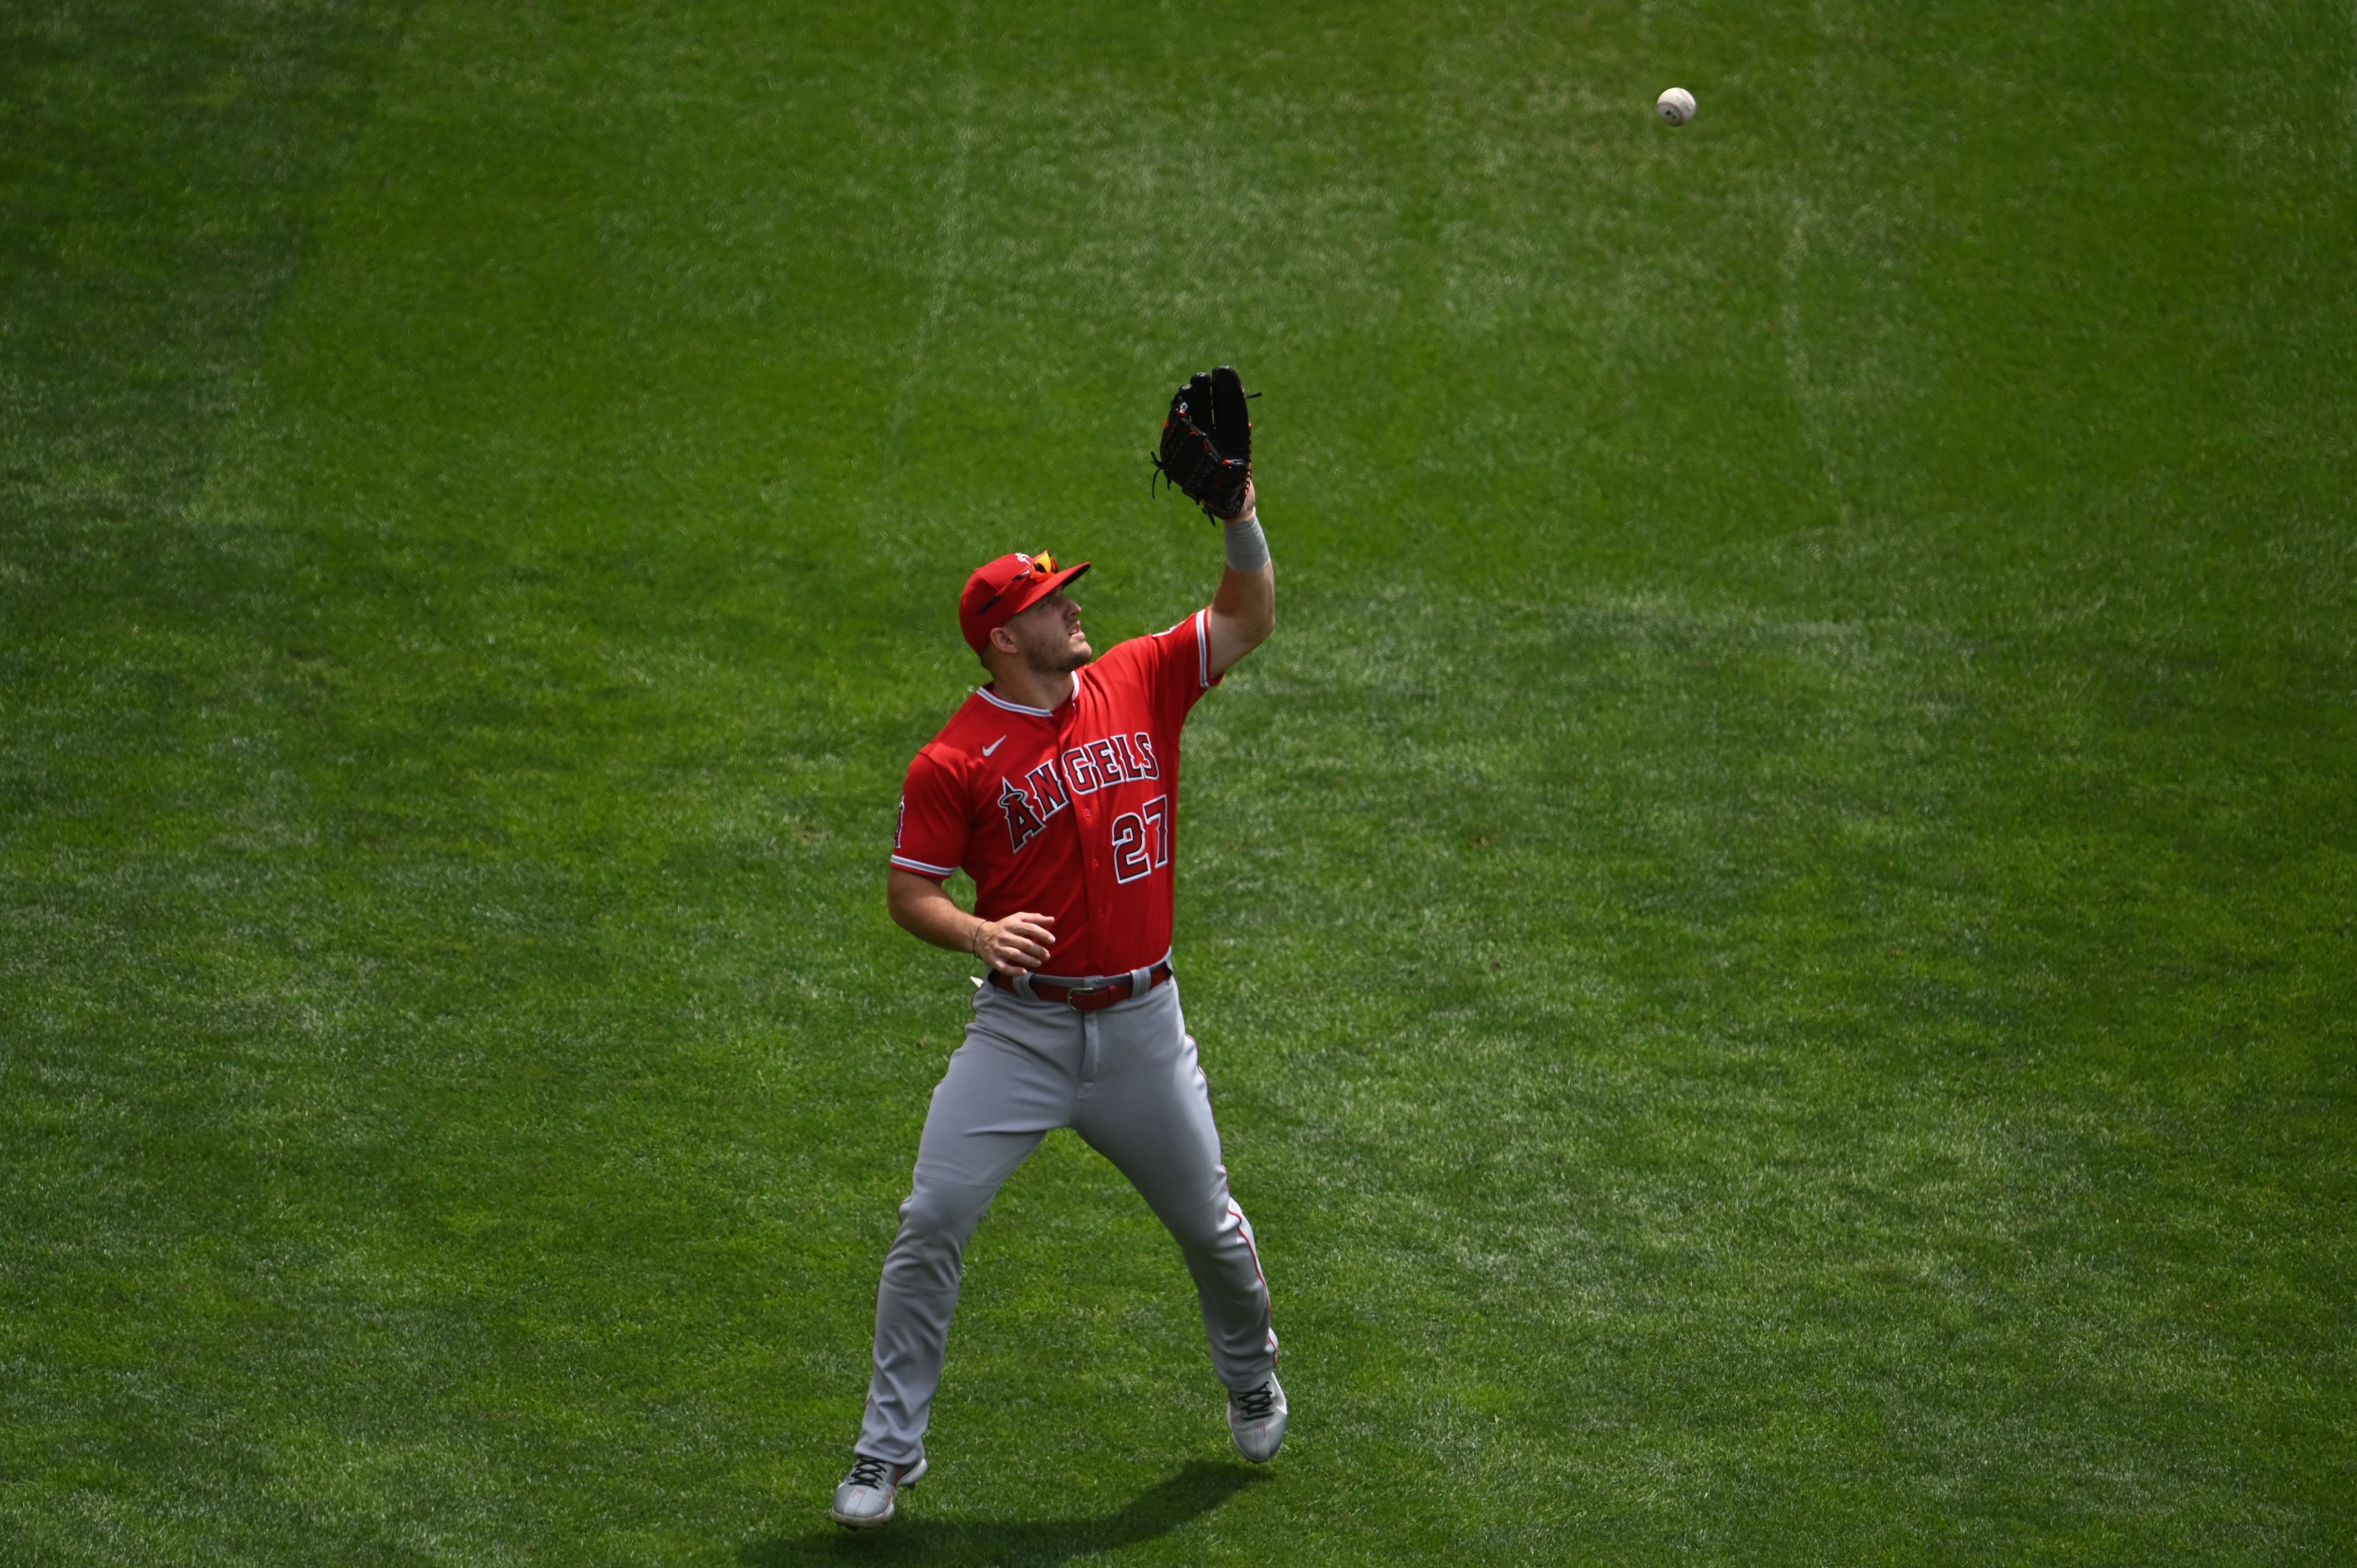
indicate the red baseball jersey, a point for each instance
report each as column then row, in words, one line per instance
column 1072, row 813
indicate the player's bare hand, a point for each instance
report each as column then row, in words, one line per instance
column 1016, row 944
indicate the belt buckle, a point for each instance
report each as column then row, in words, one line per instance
column 1073, row 997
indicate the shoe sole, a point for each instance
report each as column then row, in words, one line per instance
column 1258, row 1458
column 907, row 1483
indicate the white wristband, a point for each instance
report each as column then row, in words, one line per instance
column 1247, row 545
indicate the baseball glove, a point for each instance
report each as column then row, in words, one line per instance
column 1207, row 442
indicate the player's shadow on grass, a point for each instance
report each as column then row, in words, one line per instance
column 1193, row 1492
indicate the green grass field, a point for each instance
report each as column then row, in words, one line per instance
column 1772, row 935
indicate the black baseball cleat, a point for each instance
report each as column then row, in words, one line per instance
column 1256, row 1420
column 865, row 1497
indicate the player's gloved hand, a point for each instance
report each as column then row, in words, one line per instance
column 1016, row 944
column 1207, row 443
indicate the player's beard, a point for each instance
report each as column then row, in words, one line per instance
column 1055, row 656
column 1062, row 661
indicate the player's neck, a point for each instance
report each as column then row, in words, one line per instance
column 1021, row 683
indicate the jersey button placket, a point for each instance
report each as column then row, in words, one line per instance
column 1084, row 821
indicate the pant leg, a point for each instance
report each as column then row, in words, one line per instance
column 1147, row 1108
column 1007, row 1087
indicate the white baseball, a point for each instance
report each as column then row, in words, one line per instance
column 1677, row 106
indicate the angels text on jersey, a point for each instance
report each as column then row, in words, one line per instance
column 1086, row 769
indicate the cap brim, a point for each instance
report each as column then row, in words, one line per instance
column 1046, row 586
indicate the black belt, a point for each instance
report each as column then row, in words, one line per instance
column 1087, row 998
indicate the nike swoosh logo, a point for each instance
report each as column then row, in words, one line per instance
column 994, row 745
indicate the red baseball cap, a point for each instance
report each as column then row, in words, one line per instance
column 1004, row 588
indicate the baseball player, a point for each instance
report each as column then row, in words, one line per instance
column 1056, row 788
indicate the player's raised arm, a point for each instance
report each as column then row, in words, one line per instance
column 1207, row 452
column 1243, row 612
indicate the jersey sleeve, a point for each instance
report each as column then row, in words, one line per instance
column 930, row 837
column 1175, row 666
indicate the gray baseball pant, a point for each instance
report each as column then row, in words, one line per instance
column 1126, row 1079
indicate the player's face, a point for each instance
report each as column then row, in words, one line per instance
column 1050, row 637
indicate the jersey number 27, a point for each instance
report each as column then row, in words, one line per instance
column 1141, row 840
